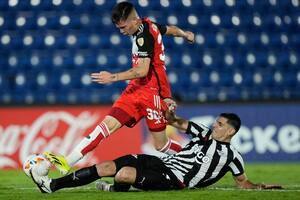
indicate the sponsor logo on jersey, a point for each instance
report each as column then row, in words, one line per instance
column 201, row 158
column 140, row 41
column 143, row 53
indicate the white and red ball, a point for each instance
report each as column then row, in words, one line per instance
column 37, row 163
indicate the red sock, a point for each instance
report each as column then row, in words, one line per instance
column 171, row 147
column 91, row 141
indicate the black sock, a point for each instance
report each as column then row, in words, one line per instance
column 80, row 177
column 120, row 187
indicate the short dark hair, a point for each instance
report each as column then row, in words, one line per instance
column 233, row 119
column 121, row 11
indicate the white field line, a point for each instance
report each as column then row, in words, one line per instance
column 209, row 188
column 237, row 189
column 36, row 188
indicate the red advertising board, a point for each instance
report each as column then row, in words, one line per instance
column 28, row 130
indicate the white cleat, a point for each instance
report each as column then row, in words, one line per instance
column 43, row 182
column 104, row 186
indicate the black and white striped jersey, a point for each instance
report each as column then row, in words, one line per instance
column 203, row 161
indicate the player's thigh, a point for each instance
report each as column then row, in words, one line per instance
column 126, row 161
column 151, row 174
column 127, row 110
column 112, row 123
column 156, row 180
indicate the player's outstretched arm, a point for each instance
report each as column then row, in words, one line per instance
column 243, row 182
column 105, row 77
column 178, row 32
column 177, row 122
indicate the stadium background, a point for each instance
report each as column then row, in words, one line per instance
column 245, row 59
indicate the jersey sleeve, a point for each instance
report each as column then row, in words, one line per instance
column 162, row 28
column 237, row 165
column 198, row 130
column 145, row 43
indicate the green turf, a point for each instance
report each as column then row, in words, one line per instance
column 15, row 185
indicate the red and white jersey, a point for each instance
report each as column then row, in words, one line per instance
column 147, row 42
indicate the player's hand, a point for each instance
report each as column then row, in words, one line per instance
column 171, row 104
column 190, row 36
column 270, row 186
column 170, row 116
column 103, row 77
column 170, row 112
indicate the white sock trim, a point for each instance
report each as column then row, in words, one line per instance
column 74, row 157
column 105, row 131
column 166, row 147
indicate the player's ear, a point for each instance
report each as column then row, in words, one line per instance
column 231, row 131
column 135, row 21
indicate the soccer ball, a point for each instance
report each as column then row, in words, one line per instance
column 37, row 163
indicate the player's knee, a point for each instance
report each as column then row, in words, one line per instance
column 112, row 123
column 107, row 168
column 126, row 175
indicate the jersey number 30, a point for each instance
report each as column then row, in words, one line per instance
column 152, row 114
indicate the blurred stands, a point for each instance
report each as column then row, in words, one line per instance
column 244, row 50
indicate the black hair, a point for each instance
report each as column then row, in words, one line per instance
column 233, row 119
column 121, row 11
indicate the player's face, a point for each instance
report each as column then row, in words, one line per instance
column 221, row 129
column 127, row 27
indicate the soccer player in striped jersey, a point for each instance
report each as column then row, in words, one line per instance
column 202, row 162
column 148, row 93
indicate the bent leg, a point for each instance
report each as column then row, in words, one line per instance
column 90, row 142
column 152, row 174
column 117, row 117
column 142, row 177
column 84, row 176
column 123, row 168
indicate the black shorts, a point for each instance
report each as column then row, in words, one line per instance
column 152, row 174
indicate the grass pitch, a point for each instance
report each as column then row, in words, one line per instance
column 14, row 185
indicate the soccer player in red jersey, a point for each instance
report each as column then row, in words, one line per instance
column 148, row 93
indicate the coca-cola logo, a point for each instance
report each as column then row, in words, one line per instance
column 56, row 131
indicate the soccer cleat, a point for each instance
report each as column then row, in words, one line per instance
column 104, row 186
column 43, row 182
column 59, row 162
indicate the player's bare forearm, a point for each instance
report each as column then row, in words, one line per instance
column 181, row 124
column 132, row 73
column 177, row 122
column 140, row 71
column 136, row 72
column 248, row 185
column 178, row 32
column 243, row 183
column 259, row 186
